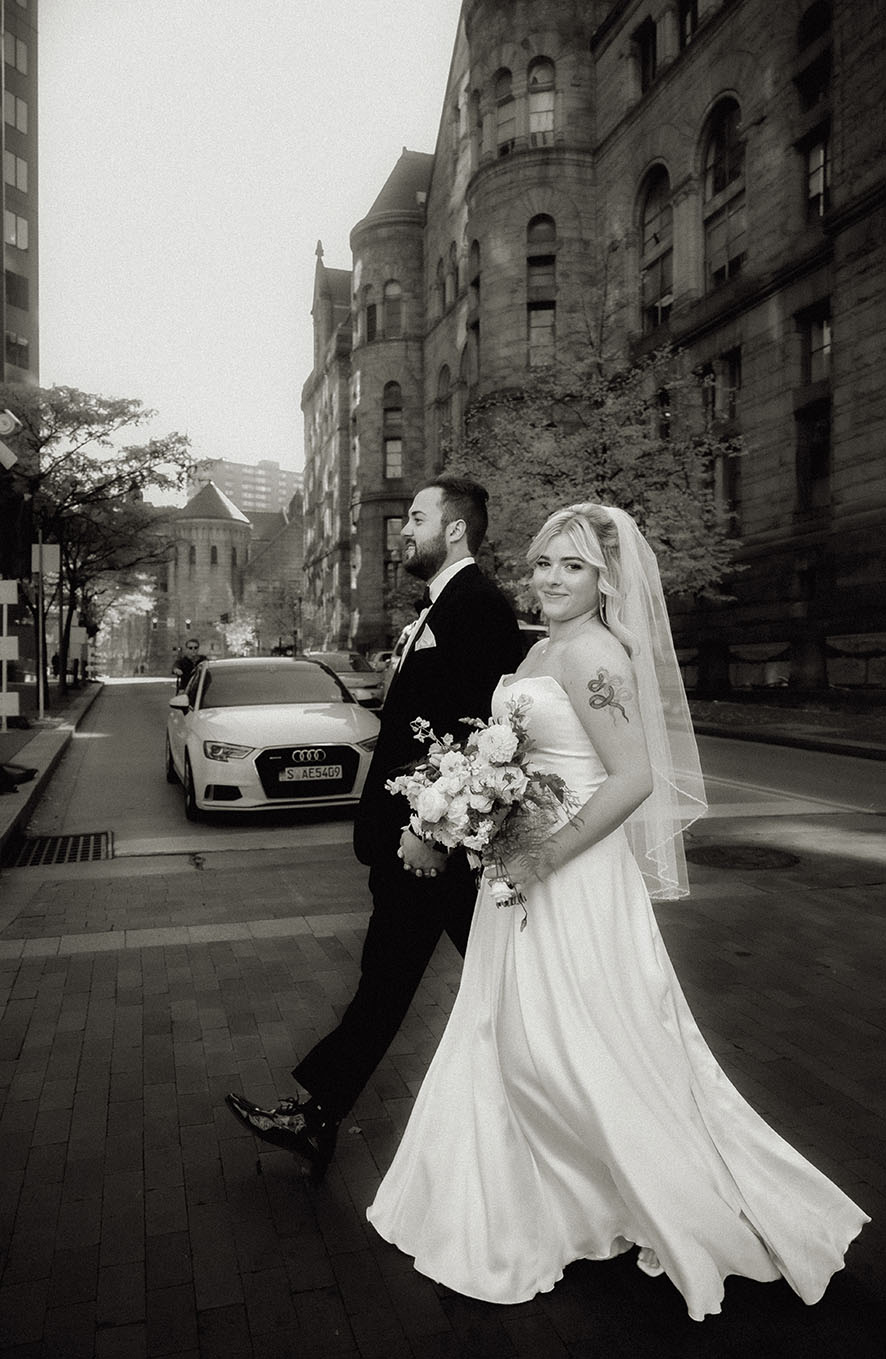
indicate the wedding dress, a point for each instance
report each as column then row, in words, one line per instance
column 573, row 1108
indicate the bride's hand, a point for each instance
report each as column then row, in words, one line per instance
column 419, row 858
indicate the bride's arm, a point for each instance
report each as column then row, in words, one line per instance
column 596, row 674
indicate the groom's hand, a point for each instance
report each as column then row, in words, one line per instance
column 420, row 858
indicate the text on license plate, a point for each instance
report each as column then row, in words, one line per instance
column 310, row 771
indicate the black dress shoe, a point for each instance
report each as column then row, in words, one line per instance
column 301, row 1129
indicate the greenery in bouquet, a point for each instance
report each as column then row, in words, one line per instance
column 483, row 795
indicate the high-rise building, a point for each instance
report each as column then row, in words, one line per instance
column 263, row 486
column 20, row 360
column 708, row 173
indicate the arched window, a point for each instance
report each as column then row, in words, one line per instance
column 213, row 556
column 476, row 126
column 192, row 555
column 370, row 311
column 444, row 409
column 725, row 221
column 233, row 558
column 814, row 24
column 541, row 102
column 393, row 310
column 474, row 276
column 541, row 289
column 439, row 287
column 392, row 429
column 450, row 290
column 505, row 114
column 656, row 250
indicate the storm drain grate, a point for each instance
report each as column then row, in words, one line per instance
column 64, row 849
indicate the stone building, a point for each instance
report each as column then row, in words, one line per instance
column 710, row 172
column 205, row 570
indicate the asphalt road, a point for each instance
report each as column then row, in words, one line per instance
column 112, row 778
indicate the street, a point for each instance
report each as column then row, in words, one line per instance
column 205, row 957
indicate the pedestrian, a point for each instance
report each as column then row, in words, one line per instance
column 462, row 642
column 186, row 663
column 573, row 1109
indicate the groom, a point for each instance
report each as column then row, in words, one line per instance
column 462, row 643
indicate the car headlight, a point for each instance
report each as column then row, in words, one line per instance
column 221, row 750
column 369, row 744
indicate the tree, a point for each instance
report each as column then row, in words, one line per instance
column 635, row 436
column 86, row 493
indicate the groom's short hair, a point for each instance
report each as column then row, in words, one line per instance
column 464, row 499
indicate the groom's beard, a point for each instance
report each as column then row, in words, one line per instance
column 427, row 558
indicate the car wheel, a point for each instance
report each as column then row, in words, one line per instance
column 192, row 811
column 171, row 776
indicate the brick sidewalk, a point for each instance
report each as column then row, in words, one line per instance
column 134, row 1220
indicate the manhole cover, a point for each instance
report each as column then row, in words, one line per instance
column 62, row 849
column 740, row 856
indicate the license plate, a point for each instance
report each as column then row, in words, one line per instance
column 310, row 771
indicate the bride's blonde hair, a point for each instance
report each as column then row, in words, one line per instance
column 594, row 536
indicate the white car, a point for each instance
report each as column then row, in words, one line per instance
column 260, row 733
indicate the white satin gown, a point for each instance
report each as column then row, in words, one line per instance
column 573, row 1107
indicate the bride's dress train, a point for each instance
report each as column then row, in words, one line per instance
column 573, row 1108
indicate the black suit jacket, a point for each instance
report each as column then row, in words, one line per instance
column 477, row 641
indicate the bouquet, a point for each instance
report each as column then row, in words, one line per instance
column 483, row 796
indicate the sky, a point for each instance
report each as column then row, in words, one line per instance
column 192, row 153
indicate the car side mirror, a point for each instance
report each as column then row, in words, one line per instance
column 181, row 702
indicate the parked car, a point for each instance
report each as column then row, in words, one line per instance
column 267, row 732
column 379, row 659
column 365, row 683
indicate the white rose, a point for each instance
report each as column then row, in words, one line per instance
column 431, row 804
column 497, row 743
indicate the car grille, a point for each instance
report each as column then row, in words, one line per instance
column 271, row 763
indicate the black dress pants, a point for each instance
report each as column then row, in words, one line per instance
column 409, row 915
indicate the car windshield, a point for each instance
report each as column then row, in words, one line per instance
column 259, row 686
column 343, row 660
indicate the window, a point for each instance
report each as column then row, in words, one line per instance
column 15, row 171
column 541, row 333
column 541, row 102
column 656, row 251
column 815, row 23
column 450, row 281
column 393, row 548
column 392, row 430
column 725, row 221
column 17, row 350
column 192, row 556
column 813, row 455
column 444, row 408
column 213, row 556
column 814, row 82
column 645, row 48
column 723, row 387
column 687, row 18
column 818, row 177
column 16, row 290
column 474, row 275
column 505, row 114
column 15, row 111
column 233, row 558
column 15, row 230
column 815, row 333
column 371, row 314
column 540, row 277
column 15, row 52
column 393, row 311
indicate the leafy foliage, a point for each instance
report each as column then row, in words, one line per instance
column 85, row 492
column 632, row 436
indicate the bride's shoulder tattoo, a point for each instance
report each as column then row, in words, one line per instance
column 609, row 691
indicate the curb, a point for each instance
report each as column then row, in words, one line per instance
column 42, row 752
column 825, row 745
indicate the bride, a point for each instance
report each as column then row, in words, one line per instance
column 573, row 1108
